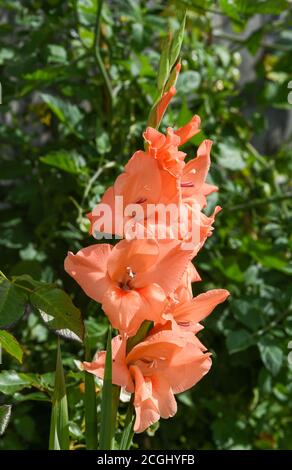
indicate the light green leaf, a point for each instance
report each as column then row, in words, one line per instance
column 5, row 413
column 67, row 113
column 67, row 160
column 58, row 54
column 11, row 382
column 58, row 312
column 177, row 43
column 12, row 303
column 231, row 156
column 271, row 354
column 11, row 345
column 164, row 68
column 188, row 82
column 87, row 10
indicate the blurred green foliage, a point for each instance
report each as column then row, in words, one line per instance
column 71, row 116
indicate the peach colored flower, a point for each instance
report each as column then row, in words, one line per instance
column 193, row 181
column 165, row 148
column 166, row 362
column 188, row 314
column 131, row 280
column 143, row 182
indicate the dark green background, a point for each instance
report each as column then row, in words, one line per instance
column 64, row 140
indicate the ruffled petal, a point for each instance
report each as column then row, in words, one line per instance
column 89, row 268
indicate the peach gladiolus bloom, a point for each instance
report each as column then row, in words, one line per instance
column 165, row 148
column 143, row 182
column 188, row 313
column 166, row 362
column 131, row 280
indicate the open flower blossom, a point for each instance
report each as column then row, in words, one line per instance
column 166, row 362
column 188, row 314
column 131, row 280
column 150, row 277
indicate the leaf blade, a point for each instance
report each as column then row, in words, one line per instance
column 5, row 414
column 11, row 345
column 58, row 311
column 59, row 428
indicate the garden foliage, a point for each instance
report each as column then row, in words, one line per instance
column 77, row 88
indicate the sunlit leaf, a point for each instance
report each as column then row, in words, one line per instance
column 11, row 345
column 58, row 312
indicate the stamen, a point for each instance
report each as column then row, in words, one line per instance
column 130, row 273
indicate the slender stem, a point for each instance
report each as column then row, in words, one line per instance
column 90, row 404
column 140, row 335
column 260, row 202
column 98, row 57
column 128, row 432
column 115, row 405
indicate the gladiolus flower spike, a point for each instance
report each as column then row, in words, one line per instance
column 147, row 280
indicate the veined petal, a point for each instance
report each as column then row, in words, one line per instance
column 188, row 131
column 164, row 102
column 169, row 267
column 163, row 396
column 200, row 306
column 138, row 255
column 123, row 309
column 89, row 268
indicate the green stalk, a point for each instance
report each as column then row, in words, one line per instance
column 90, row 405
column 59, row 428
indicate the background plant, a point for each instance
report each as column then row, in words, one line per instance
column 77, row 87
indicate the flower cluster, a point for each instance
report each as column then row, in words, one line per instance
column 149, row 278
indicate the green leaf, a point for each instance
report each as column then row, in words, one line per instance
column 271, row 355
column 34, row 396
column 90, row 405
column 234, row 9
column 11, row 382
column 67, row 113
column 11, row 345
column 12, row 303
column 5, row 413
column 231, row 156
column 140, row 335
column 249, row 312
column 188, row 82
column 164, row 68
column 59, row 429
column 58, row 312
column 57, row 54
column 87, row 10
column 106, row 431
column 177, row 43
column 239, row 340
column 128, row 431
column 67, row 160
